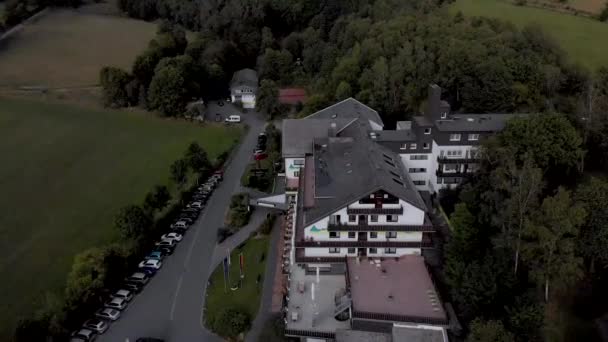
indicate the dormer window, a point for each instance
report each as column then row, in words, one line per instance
column 444, row 115
column 427, row 131
column 455, row 137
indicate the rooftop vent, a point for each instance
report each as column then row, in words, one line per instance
column 333, row 116
column 349, row 171
column 470, row 119
column 390, row 297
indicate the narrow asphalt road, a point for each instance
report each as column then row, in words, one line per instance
column 170, row 307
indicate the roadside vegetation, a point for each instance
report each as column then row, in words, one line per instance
column 67, row 173
column 260, row 174
column 231, row 306
column 239, row 211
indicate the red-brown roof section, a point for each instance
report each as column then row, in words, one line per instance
column 396, row 286
column 292, row 96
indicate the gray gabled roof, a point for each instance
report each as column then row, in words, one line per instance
column 475, row 122
column 349, row 108
column 347, row 169
column 244, row 77
column 297, row 134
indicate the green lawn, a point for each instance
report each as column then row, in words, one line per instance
column 246, row 298
column 65, row 172
column 583, row 39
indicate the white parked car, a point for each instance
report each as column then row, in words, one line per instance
column 96, row 325
column 116, row 303
column 233, row 118
column 166, row 243
column 172, row 236
column 124, row 294
column 107, row 313
column 151, row 263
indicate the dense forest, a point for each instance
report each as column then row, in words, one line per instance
column 528, row 255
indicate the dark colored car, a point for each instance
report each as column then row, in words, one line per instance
column 133, row 287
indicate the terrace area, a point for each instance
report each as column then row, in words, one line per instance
column 311, row 305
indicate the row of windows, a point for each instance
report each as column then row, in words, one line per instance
column 448, row 180
column 457, row 136
column 298, row 162
column 419, row 182
column 372, row 250
column 419, row 157
column 414, row 146
column 372, row 235
column 416, row 170
column 372, row 218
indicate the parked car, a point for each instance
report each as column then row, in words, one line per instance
column 96, row 325
column 180, row 224
column 124, row 294
column 116, row 303
column 166, row 244
column 156, row 255
column 219, row 173
column 172, row 236
column 186, row 219
column 84, row 335
column 164, row 251
column 260, row 156
column 233, row 119
column 133, row 287
column 196, row 204
column 189, row 214
column 138, row 278
column 151, row 263
column 107, row 313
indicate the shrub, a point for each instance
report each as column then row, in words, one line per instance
column 266, row 226
column 604, row 15
column 239, row 212
column 231, row 322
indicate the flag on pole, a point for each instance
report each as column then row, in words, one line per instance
column 226, row 274
column 242, row 265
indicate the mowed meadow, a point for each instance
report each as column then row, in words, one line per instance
column 66, row 48
column 585, row 40
column 66, row 170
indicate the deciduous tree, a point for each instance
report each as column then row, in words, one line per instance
column 593, row 241
column 550, row 242
column 268, row 99
column 489, row 331
column 158, row 198
column 132, row 221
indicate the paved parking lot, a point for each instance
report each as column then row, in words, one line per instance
column 170, row 307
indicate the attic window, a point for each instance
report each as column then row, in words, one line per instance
column 397, row 181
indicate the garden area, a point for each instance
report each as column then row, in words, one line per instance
column 260, row 174
column 233, row 301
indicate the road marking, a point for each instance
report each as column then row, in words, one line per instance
column 179, row 286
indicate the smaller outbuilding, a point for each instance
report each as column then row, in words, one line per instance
column 244, row 87
column 292, row 96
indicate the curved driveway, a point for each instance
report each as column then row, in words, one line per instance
column 170, row 307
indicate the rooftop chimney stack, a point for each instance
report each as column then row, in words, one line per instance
column 333, row 130
column 434, row 102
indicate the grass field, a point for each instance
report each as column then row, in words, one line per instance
column 246, row 298
column 65, row 173
column 67, row 48
column 583, row 39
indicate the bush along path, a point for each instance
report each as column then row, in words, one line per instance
column 241, row 302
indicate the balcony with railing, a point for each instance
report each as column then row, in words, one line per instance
column 460, row 174
column 388, row 243
column 375, row 211
column 341, row 227
column 457, row 160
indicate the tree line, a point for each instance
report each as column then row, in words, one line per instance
column 98, row 270
column 529, row 237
